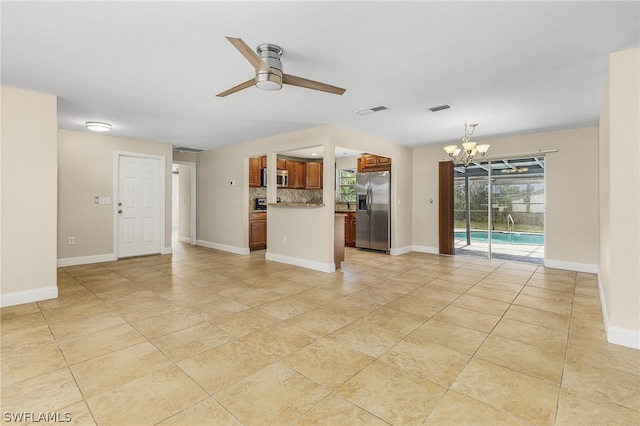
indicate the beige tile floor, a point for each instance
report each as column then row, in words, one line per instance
column 206, row 337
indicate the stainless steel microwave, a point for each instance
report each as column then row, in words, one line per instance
column 282, row 178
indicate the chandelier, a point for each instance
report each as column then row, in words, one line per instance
column 469, row 149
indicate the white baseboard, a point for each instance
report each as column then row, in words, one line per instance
column 84, row 260
column 28, row 296
column 571, row 266
column 426, row 249
column 223, row 247
column 623, row 337
column 617, row 335
column 304, row 263
column 401, row 250
column 166, row 250
column 185, row 240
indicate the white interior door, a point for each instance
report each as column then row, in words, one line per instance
column 139, row 206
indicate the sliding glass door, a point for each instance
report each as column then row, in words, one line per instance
column 499, row 209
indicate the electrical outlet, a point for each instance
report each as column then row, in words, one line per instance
column 72, row 240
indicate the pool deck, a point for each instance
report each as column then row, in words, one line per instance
column 517, row 252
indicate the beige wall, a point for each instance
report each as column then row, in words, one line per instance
column 86, row 170
column 571, row 193
column 619, row 202
column 185, row 156
column 222, row 212
column 346, row 163
column 29, row 196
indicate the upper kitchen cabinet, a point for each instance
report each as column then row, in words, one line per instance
column 373, row 163
column 255, row 170
column 314, row 175
column 297, row 172
column 281, row 164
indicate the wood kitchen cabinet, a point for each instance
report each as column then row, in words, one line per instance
column 338, row 238
column 257, row 230
column 297, row 172
column 254, row 171
column 373, row 163
column 281, row 164
column 314, row 175
column 350, row 229
column 263, row 162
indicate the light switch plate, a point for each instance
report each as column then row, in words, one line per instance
column 104, row 200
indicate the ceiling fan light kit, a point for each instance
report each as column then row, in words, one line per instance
column 272, row 78
column 269, row 71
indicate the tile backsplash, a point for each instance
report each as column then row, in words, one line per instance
column 312, row 196
column 260, row 192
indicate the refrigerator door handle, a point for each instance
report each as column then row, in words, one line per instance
column 369, row 200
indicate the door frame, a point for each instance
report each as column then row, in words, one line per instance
column 192, row 164
column 161, row 205
column 490, row 160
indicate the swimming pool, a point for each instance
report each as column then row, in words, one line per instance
column 503, row 237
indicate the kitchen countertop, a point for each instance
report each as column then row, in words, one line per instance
column 296, row 204
column 345, row 210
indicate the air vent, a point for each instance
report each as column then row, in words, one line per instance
column 185, row 149
column 371, row 110
column 440, row 108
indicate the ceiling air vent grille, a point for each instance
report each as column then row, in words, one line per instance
column 440, row 108
column 185, row 149
column 371, row 110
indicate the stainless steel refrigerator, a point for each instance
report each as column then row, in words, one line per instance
column 373, row 224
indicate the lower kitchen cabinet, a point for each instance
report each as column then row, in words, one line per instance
column 350, row 229
column 257, row 230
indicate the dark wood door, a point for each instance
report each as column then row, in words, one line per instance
column 445, row 207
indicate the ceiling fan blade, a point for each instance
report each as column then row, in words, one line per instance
column 237, row 88
column 248, row 53
column 310, row 84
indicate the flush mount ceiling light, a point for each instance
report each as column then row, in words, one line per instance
column 469, row 149
column 97, row 126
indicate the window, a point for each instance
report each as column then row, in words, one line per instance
column 346, row 186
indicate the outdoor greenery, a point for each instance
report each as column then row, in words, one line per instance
column 521, row 199
column 482, row 226
column 346, row 186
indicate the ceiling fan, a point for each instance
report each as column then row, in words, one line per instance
column 269, row 74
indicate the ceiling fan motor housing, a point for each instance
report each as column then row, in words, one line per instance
column 266, row 80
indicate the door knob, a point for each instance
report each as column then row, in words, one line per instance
column 120, row 204
column 119, row 211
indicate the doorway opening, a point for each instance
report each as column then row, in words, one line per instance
column 506, row 197
column 183, row 203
